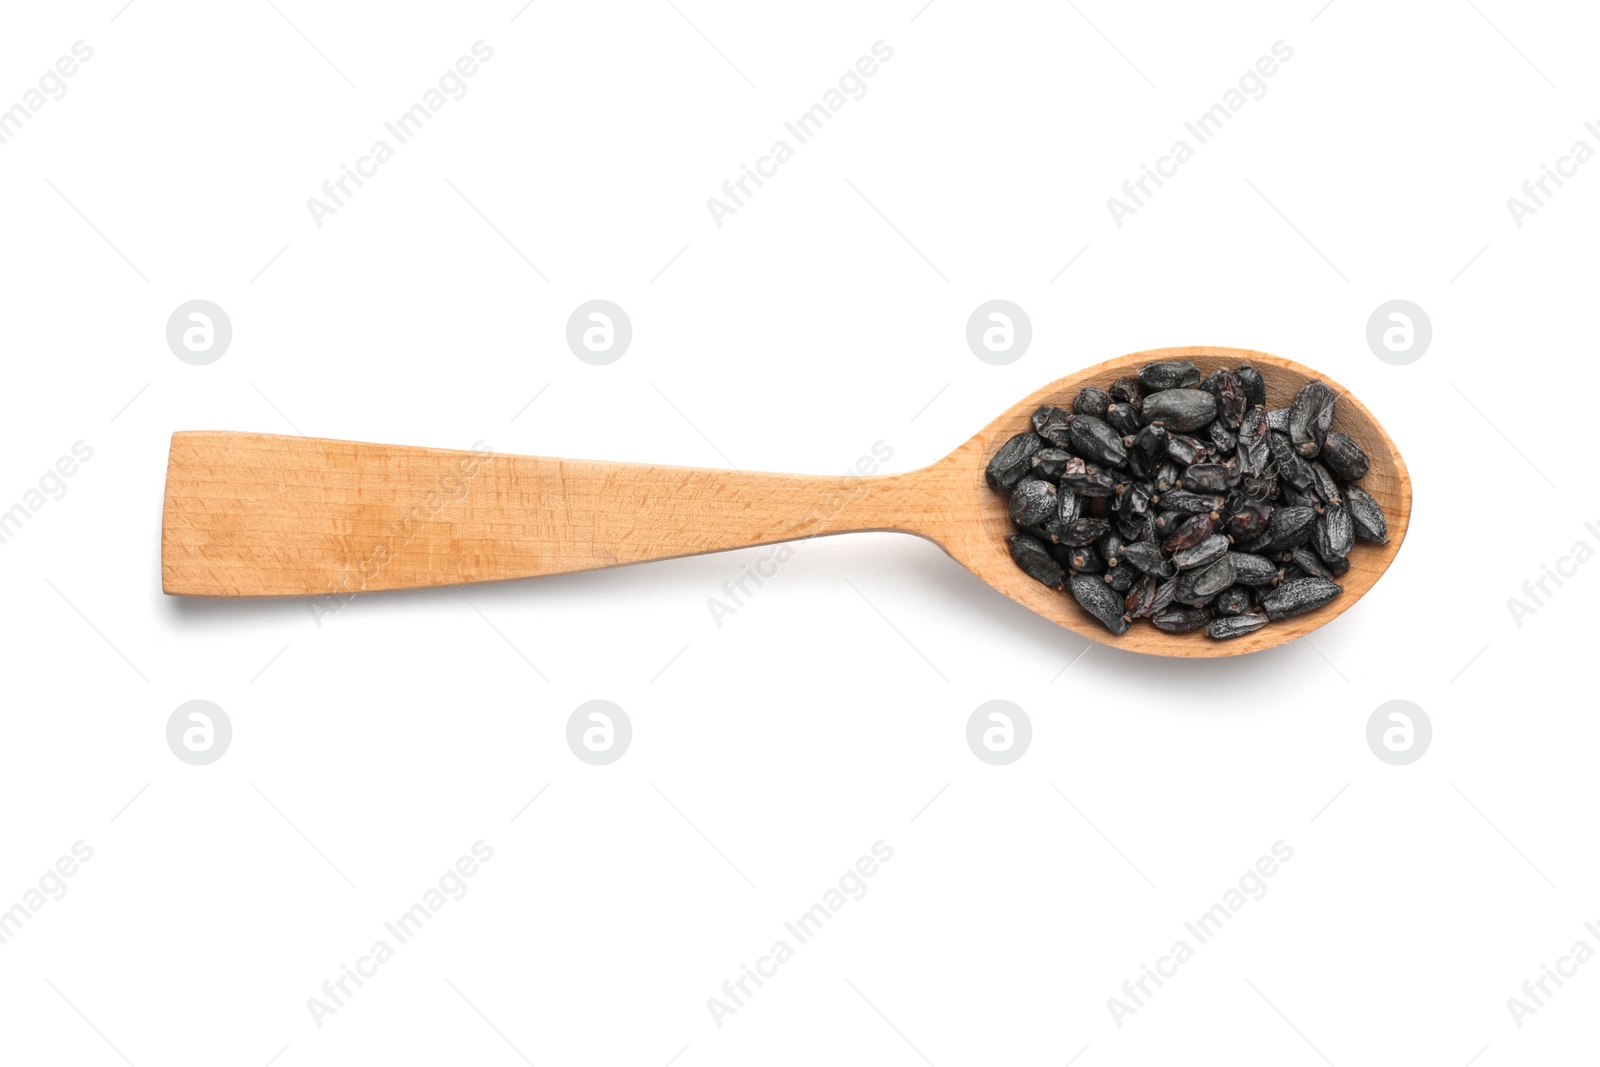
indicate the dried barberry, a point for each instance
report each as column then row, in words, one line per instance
column 1035, row 560
column 1298, row 597
column 1309, row 563
column 1291, row 466
column 1087, row 480
column 1323, row 483
column 1249, row 519
column 1084, row 531
column 1141, row 598
column 1124, row 418
column 1206, row 552
column 1185, row 450
column 1208, row 478
column 1126, row 389
column 1235, row 600
column 1093, row 439
column 1080, row 559
column 1180, row 409
column 1251, row 569
column 1033, row 502
column 1049, row 463
column 1091, row 401
column 1013, row 460
column 1236, row 626
column 1179, row 620
column 1169, row 374
column 1190, row 532
column 1190, row 503
column 1050, row 423
column 1255, row 386
column 1255, row 454
column 1367, row 515
column 1334, row 535
column 1198, row 586
column 1121, row 579
column 1098, row 599
column 1227, row 389
column 1310, row 415
column 1344, row 457
column 1147, row 556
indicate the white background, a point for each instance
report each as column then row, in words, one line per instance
column 768, row 754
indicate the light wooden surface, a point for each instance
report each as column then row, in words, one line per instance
column 267, row 515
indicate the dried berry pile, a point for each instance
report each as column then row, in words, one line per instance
column 1187, row 502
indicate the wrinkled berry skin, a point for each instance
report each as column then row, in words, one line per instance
column 1236, row 625
column 1100, row 601
column 1180, row 409
column 1298, row 597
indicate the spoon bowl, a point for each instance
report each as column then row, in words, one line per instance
column 251, row 514
column 981, row 546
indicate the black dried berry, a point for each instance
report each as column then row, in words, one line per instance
column 1236, row 626
column 1126, row 390
column 1086, row 479
column 1066, row 505
column 1235, row 600
column 1035, row 560
column 1050, row 423
column 1367, row 515
column 1124, row 418
column 1198, row 586
column 1147, row 557
column 1290, row 465
column 1248, row 520
column 1206, row 552
column 1033, row 502
column 1335, row 534
column 1141, row 598
column 1190, row 532
column 1080, row 559
column 1190, row 503
column 1309, row 563
column 1255, row 455
column 1298, row 597
column 1251, row 569
column 1290, row 527
column 1094, row 440
column 1099, row 600
column 1228, row 390
column 1049, row 463
column 1184, row 450
column 1091, row 401
column 1310, row 415
column 1344, row 457
column 1013, row 460
column 1121, row 579
column 1170, row 374
column 1179, row 620
column 1208, row 478
column 1255, row 386
column 1323, row 483
column 1084, row 531
column 1180, row 409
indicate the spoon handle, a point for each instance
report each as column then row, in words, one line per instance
column 267, row 515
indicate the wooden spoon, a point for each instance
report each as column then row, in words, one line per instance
column 266, row 515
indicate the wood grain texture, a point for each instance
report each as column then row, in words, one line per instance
column 267, row 515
